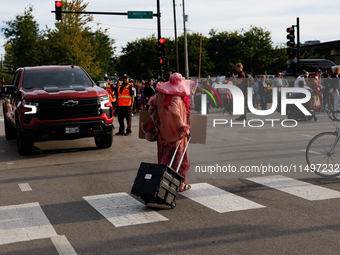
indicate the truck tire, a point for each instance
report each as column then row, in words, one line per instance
column 104, row 141
column 10, row 131
column 25, row 145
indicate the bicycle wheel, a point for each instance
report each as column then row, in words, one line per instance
column 318, row 157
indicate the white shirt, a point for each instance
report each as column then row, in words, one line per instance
column 296, row 83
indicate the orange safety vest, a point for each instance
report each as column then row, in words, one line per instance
column 111, row 93
column 124, row 98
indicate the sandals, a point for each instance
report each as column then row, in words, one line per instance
column 185, row 187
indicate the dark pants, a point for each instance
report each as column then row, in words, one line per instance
column 124, row 112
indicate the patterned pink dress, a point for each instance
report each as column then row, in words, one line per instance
column 172, row 123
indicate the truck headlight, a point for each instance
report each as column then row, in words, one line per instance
column 105, row 105
column 30, row 107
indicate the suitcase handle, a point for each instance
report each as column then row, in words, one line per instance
column 173, row 157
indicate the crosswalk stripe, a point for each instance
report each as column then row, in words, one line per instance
column 217, row 199
column 63, row 246
column 25, row 187
column 24, row 222
column 123, row 210
column 296, row 188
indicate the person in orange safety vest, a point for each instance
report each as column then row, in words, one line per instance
column 124, row 105
column 110, row 90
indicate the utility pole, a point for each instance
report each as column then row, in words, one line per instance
column 199, row 62
column 186, row 65
column 176, row 42
column 298, row 44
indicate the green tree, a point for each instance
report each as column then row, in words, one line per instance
column 104, row 51
column 224, row 50
column 193, row 41
column 139, row 58
column 69, row 44
column 253, row 48
column 23, row 40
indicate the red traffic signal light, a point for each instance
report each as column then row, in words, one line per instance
column 291, row 36
column 58, row 5
column 3, row 82
column 161, row 47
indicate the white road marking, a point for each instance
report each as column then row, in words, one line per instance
column 25, row 187
column 217, row 199
column 123, row 210
column 296, row 188
column 24, row 222
column 62, row 245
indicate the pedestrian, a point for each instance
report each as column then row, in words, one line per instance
column 316, row 84
column 263, row 92
column 142, row 100
column 279, row 83
column 335, row 88
column 327, row 95
column 256, row 94
column 302, row 77
column 110, row 90
column 228, row 97
column 172, row 113
column 125, row 105
column 149, row 91
column 242, row 83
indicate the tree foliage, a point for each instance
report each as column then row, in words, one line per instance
column 23, row 40
column 70, row 42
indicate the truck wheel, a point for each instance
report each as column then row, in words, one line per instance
column 25, row 145
column 10, row 131
column 104, row 141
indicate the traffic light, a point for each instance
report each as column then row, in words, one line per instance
column 58, row 5
column 161, row 47
column 291, row 52
column 3, row 81
column 162, row 60
column 291, row 36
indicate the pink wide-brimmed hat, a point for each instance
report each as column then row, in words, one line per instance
column 176, row 86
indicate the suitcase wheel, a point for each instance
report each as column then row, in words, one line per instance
column 173, row 205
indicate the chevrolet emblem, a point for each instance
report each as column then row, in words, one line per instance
column 70, row 103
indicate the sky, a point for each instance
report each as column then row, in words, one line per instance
column 318, row 20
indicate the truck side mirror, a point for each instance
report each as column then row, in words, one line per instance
column 7, row 89
column 102, row 84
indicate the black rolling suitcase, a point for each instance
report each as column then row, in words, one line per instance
column 158, row 183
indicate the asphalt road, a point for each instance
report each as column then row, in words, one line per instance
column 59, row 200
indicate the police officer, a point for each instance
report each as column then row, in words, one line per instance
column 125, row 104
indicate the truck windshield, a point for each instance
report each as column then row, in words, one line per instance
column 55, row 78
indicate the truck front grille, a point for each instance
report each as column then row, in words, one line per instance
column 68, row 109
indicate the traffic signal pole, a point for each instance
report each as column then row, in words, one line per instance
column 159, row 37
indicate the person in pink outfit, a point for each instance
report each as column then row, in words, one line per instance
column 172, row 114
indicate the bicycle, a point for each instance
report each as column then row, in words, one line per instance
column 322, row 152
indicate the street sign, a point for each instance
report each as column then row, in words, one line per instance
column 140, row 15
